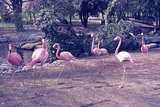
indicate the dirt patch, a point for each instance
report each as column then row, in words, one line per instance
column 91, row 82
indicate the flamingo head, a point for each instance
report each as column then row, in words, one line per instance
column 56, row 45
column 93, row 34
column 117, row 38
column 142, row 34
column 10, row 47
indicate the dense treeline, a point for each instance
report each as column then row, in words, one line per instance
column 64, row 10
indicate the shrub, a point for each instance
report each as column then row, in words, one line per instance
column 108, row 32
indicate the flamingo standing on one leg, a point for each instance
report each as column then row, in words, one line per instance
column 123, row 57
column 39, row 55
column 14, row 58
column 144, row 48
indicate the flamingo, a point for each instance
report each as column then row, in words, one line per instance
column 144, row 47
column 65, row 55
column 14, row 58
column 123, row 58
column 39, row 55
column 102, row 50
column 97, row 51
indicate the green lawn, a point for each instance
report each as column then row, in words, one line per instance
column 6, row 25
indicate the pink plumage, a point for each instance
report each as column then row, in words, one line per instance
column 13, row 57
column 103, row 51
column 65, row 55
column 97, row 51
column 40, row 55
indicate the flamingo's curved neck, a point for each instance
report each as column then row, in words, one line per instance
column 142, row 40
column 119, row 44
column 98, row 43
column 57, row 52
column 10, row 48
column 44, row 45
column 92, row 46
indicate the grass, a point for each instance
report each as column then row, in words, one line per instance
column 7, row 25
column 80, row 85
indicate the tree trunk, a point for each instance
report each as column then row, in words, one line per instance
column 17, row 10
column 18, row 22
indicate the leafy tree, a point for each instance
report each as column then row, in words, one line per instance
column 91, row 8
column 16, row 8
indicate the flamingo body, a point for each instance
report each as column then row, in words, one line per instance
column 65, row 55
column 124, row 56
column 144, row 49
column 13, row 57
column 40, row 55
column 97, row 51
column 103, row 51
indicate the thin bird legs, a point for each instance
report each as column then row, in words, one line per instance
column 124, row 78
column 35, row 70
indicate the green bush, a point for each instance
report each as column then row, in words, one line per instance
column 108, row 32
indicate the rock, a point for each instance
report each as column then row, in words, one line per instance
column 152, row 45
column 31, row 45
column 5, row 68
column 3, row 40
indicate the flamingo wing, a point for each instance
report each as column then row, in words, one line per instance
column 96, row 51
column 66, row 55
column 103, row 51
column 144, row 49
column 14, row 58
column 124, row 56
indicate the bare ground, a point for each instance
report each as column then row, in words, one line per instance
column 81, row 85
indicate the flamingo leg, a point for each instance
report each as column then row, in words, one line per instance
column 40, row 75
column 59, row 75
column 34, row 76
column 123, row 77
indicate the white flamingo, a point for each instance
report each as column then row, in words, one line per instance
column 123, row 57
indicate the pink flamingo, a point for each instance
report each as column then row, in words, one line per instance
column 103, row 51
column 65, row 55
column 14, row 58
column 39, row 55
column 97, row 51
column 144, row 48
column 123, row 57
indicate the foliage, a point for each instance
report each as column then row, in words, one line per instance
column 91, row 8
column 108, row 32
column 51, row 11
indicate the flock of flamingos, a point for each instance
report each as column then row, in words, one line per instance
column 40, row 55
